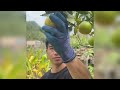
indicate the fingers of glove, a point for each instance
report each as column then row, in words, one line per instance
column 58, row 22
column 51, row 30
column 58, row 14
column 51, row 39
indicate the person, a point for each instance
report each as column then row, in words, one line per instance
column 65, row 65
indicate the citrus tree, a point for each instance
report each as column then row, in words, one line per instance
column 37, row 63
column 80, row 25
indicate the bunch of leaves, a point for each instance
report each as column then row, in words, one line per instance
column 37, row 64
column 77, row 41
column 91, row 70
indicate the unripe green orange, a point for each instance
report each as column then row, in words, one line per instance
column 85, row 27
column 91, row 41
column 48, row 22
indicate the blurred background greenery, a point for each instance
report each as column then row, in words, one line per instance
column 12, row 44
column 107, row 44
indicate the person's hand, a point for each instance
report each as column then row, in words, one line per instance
column 59, row 37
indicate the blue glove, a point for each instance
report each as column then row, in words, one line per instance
column 59, row 37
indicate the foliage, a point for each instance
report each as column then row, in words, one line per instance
column 74, row 18
column 37, row 63
column 91, row 68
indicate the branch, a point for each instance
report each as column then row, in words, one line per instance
column 84, row 45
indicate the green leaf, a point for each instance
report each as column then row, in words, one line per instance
column 28, row 65
column 83, row 12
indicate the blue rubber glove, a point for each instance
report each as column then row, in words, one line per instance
column 59, row 37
